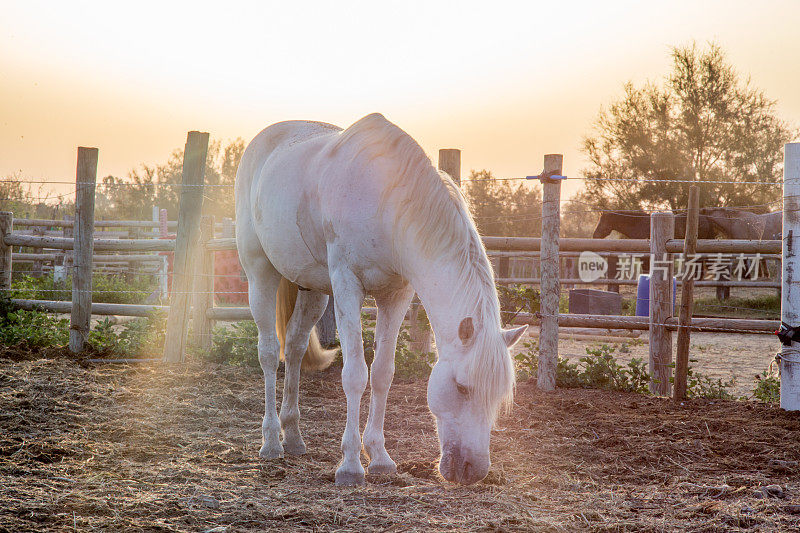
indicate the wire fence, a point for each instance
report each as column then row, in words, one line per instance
column 509, row 217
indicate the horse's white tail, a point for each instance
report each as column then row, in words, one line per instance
column 316, row 358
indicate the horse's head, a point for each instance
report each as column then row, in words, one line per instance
column 603, row 228
column 472, row 379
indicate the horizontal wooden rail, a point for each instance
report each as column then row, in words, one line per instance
column 23, row 257
column 59, row 233
column 100, row 245
column 498, row 245
column 728, row 246
column 226, row 243
column 735, row 325
column 97, row 223
column 698, row 283
column 97, row 308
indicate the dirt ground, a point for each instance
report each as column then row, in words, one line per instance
column 155, row 448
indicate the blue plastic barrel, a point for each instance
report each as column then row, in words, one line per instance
column 643, row 295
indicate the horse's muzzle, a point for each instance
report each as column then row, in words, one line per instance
column 462, row 468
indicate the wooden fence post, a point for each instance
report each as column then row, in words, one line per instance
column 662, row 228
column 83, row 248
column 612, row 273
column 37, row 269
column 687, row 297
column 228, row 229
column 134, row 267
column 550, row 284
column 204, row 285
column 62, row 269
column 450, row 162
column 6, row 225
column 191, row 205
column 789, row 358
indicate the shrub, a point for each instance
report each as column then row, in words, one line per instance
column 33, row 329
column 137, row 338
column 527, row 362
column 105, row 288
column 408, row 363
column 236, row 344
column 516, row 299
column 768, row 386
column 599, row 369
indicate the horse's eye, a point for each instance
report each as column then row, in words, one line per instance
column 462, row 390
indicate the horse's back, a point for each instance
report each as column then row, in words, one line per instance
column 269, row 140
column 303, row 191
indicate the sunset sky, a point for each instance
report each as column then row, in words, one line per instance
column 504, row 82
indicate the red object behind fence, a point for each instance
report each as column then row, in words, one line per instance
column 230, row 283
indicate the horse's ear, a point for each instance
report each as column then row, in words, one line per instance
column 466, row 330
column 512, row 336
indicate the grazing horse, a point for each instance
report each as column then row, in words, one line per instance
column 635, row 224
column 363, row 211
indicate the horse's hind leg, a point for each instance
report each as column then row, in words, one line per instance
column 308, row 309
column 391, row 311
column 263, row 282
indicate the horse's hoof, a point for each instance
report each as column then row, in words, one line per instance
column 271, row 452
column 294, row 448
column 382, row 469
column 349, row 479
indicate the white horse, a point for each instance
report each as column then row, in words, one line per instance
column 363, row 211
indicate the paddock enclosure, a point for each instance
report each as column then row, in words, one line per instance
column 175, row 448
column 172, row 444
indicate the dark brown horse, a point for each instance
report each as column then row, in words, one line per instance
column 635, row 224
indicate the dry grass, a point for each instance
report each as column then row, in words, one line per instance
column 176, row 449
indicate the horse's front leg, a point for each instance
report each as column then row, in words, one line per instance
column 348, row 298
column 391, row 311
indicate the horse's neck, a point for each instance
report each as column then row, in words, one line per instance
column 446, row 297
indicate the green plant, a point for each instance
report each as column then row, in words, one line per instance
column 33, row 329
column 601, row 370
column 235, row 344
column 516, row 299
column 105, row 288
column 768, row 386
column 701, row 386
column 408, row 363
column 137, row 338
column 527, row 363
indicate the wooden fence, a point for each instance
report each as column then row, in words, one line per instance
column 196, row 243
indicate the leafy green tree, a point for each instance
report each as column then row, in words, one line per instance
column 702, row 124
column 133, row 197
column 500, row 208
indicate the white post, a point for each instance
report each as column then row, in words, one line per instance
column 156, row 213
column 789, row 358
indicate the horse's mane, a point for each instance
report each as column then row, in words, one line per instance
column 430, row 208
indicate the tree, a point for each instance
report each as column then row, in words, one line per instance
column 133, row 198
column 704, row 124
column 502, row 209
column 24, row 201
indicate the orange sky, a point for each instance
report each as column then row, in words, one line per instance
column 504, row 83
